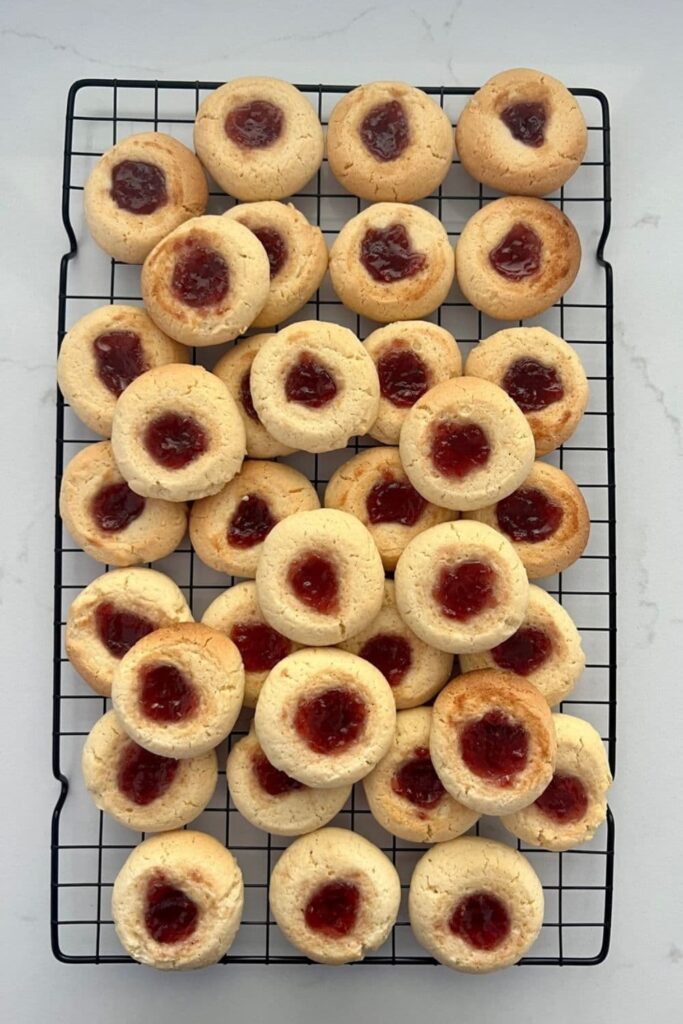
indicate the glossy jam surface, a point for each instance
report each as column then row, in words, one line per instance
column 481, row 920
column 458, row 449
column 465, row 590
column 138, row 187
column 526, row 122
column 495, row 747
column 524, row 652
column 255, row 125
column 174, row 440
column 170, row 914
column 532, row 386
column 245, row 396
column 390, row 653
column 115, row 507
column 119, row 359
column 333, row 909
column 528, row 515
column 119, row 630
column 260, row 645
column 331, row 721
column 275, row 246
column 271, row 780
column 402, row 377
column 388, row 256
column 384, row 130
column 394, row 501
column 565, row 800
column 200, row 275
column 251, row 522
column 518, row 255
column 142, row 776
column 313, row 578
column 417, row 781
column 166, row 694
column 310, row 383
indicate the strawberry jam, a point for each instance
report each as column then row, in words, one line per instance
column 142, row 776
column 465, row 590
column 390, row 653
column 119, row 359
column 402, row 377
column 251, row 522
column 333, row 909
column 394, row 501
column 260, row 646
column 119, row 630
column 495, row 747
column 255, row 125
column 115, row 507
column 275, row 246
column 384, row 130
column 565, row 800
column 458, row 449
column 531, row 385
column 310, row 383
column 271, row 780
column 417, row 781
column 138, row 187
column 526, row 123
column 245, row 396
column 481, row 920
column 528, row 515
column 166, row 694
column 200, row 275
column 174, row 440
column 518, row 255
column 331, row 721
column 313, row 578
column 388, row 256
column 170, row 914
column 524, row 652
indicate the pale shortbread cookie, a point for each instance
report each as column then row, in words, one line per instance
column 271, row 800
column 206, row 282
column 464, row 441
column 314, row 386
column 411, row 257
column 319, row 579
column 259, row 138
column 461, row 589
column 111, row 613
column 362, row 881
column 192, row 676
column 458, row 876
column 192, row 418
column 227, row 530
column 188, row 871
column 341, row 697
column 159, row 184
column 124, row 342
column 492, row 741
column 111, row 756
column 389, row 141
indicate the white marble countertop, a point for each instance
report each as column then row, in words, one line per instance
column 631, row 51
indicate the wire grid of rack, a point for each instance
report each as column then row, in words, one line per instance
column 87, row 847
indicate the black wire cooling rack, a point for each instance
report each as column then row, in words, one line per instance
column 88, row 848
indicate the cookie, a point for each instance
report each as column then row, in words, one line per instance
column 177, row 434
column 523, row 133
column 206, row 282
column 405, row 794
column 542, row 374
column 516, row 257
column 296, row 251
column 464, row 441
column 334, row 895
column 461, row 589
column 272, row 800
column 141, row 790
column 141, row 189
column 314, row 386
column 227, row 530
column 411, row 357
column 177, row 901
column 546, row 520
column 492, row 741
column 112, row 613
column 325, row 717
column 110, row 522
column 319, row 579
column 475, row 904
column 259, row 138
column 389, row 141
column 392, row 261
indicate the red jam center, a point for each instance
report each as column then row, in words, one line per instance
column 275, row 246
column 387, row 255
column 143, row 776
column 526, row 122
column 459, row 449
column 174, row 440
column 260, row 646
column 119, row 630
column 384, row 130
column 332, row 721
column 565, row 800
column 394, row 501
column 115, row 507
column 166, row 694
column 314, row 581
column 402, row 377
column 528, row 515
column 271, row 779
column 170, row 914
column 119, row 359
column 533, row 386
column 465, row 590
column 310, row 383
column 524, row 652
column 481, row 920
column 519, row 253
column 200, row 276
column 138, row 187
column 390, row 653
column 333, row 909
column 255, row 125
column 245, row 396
column 251, row 522
column 417, row 781
column 495, row 747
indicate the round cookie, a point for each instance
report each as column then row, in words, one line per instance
column 297, row 255
column 461, row 589
column 574, row 805
column 141, row 790
column 389, row 141
column 546, row 520
column 177, row 434
column 179, row 690
column 110, row 522
column 411, row 356
column 475, row 904
column 112, row 613
column 325, row 717
column 522, row 133
column 464, row 441
column 259, row 138
column 141, row 189
column 542, row 374
column 334, row 895
column 516, row 257
column 404, row 792
column 177, row 901
column 319, row 579
column 227, row 530
column 392, row 261
column 314, row 386
column 272, row 800
column 206, row 282
column 492, row 741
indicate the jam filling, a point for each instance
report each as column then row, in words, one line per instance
column 115, row 507
column 255, row 125
column 119, row 359
column 465, row 590
column 271, row 779
column 495, row 747
column 390, row 653
column 245, row 396
column 532, row 386
column 518, row 255
column 524, row 652
column 528, row 515
column 333, row 909
column 417, row 781
column 403, row 377
column 310, row 383
column 170, row 914
column 481, row 920
column 330, row 722
column 119, row 630
column 166, row 694
column 260, row 646
column 275, row 246
column 313, row 579
column 387, row 254
column 526, row 122
column 138, row 187
column 565, row 800
column 142, row 776
column 200, row 275
column 384, row 130
column 174, row 440
column 251, row 522
column 458, row 449
column 394, row 501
